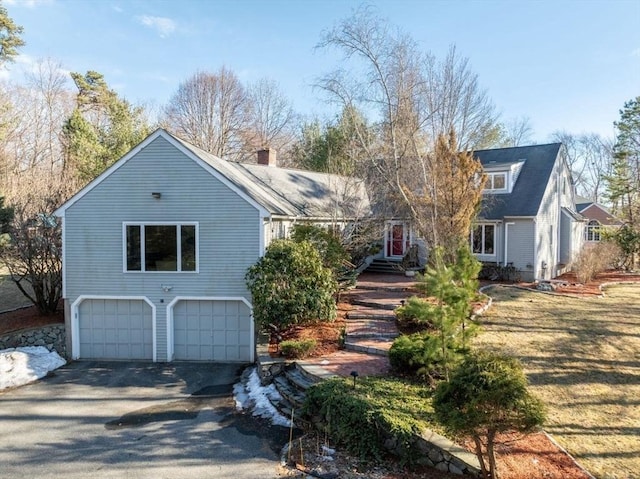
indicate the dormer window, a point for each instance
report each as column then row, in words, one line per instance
column 496, row 181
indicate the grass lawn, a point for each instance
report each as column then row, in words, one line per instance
column 10, row 295
column 582, row 357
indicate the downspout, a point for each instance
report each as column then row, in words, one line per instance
column 506, row 242
column 556, row 260
column 535, row 250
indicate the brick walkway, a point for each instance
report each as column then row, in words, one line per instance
column 370, row 326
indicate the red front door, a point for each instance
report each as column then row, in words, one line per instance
column 396, row 240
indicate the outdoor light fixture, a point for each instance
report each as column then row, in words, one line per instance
column 156, row 195
column 355, row 375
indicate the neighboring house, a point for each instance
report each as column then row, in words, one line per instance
column 155, row 249
column 528, row 217
column 598, row 217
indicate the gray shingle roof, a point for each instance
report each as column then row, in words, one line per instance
column 527, row 193
column 291, row 192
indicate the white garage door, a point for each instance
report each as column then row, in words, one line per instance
column 115, row 329
column 212, row 330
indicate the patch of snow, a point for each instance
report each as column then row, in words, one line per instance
column 328, row 451
column 23, row 365
column 324, row 362
column 253, row 396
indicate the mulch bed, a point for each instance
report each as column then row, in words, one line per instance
column 27, row 318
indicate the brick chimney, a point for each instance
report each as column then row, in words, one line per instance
column 267, row 157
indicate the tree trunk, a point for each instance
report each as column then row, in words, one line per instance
column 480, row 455
column 493, row 469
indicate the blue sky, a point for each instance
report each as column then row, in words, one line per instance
column 565, row 64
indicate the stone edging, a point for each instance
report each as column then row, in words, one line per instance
column 565, row 452
column 553, row 293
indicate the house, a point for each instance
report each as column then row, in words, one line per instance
column 598, row 217
column 528, row 217
column 155, row 249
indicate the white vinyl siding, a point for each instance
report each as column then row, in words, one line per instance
column 520, row 246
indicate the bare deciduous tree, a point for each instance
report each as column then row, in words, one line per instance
column 590, row 157
column 516, row 132
column 457, row 101
column 33, row 252
column 270, row 118
column 417, row 100
column 209, row 110
column 32, row 120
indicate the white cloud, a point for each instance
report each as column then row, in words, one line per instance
column 635, row 53
column 117, row 8
column 163, row 25
column 28, row 3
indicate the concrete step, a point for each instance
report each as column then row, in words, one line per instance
column 297, row 378
column 293, row 395
column 376, row 298
column 374, row 346
column 385, row 266
column 364, row 312
column 376, row 287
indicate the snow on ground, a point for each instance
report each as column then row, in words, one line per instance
column 23, row 365
column 250, row 394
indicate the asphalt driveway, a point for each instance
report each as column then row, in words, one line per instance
column 140, row 420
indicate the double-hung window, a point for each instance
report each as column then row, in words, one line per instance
column 496, row 181
column 161, row 247
column 483, row 239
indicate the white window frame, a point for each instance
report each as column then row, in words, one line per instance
column 178, row 225
column 482, row 241
column 491, row 180
column 593, row 231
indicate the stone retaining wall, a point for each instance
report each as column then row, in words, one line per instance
column 431, row 450
column 441, row 453
column 51, row 337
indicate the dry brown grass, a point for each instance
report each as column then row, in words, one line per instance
column 582, row 357
column 10, row 295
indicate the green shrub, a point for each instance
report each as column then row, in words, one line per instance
column 419, row 354
column 453, row 288
column 327, row 242
column 361, row 419
column 487, row 394
column 411, row 317
column 297, row 348
column 289, row 286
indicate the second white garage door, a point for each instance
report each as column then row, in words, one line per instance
column 212, row 330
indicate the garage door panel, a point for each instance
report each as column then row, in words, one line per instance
column 220, row 331
column 115, row 329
